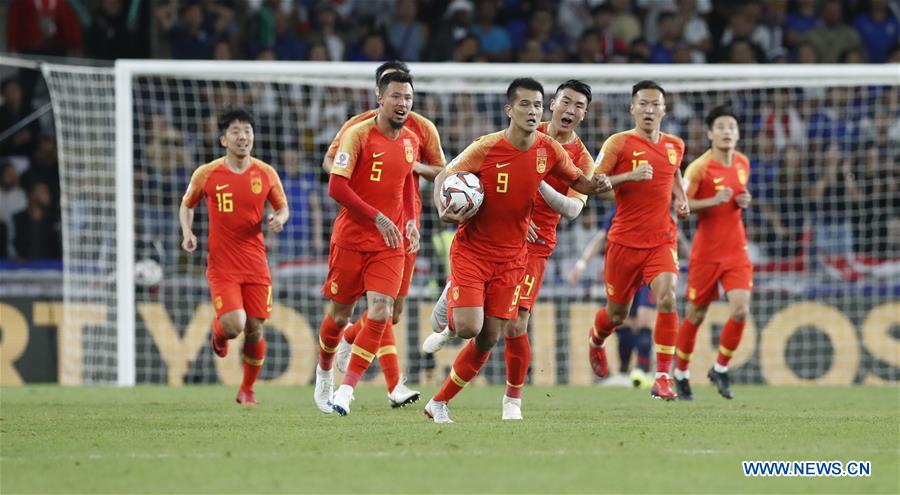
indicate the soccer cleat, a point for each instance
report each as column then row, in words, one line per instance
column 683, row 387
column 438, row 411
column 342, row 399
column 402, row 395
column 597, row 357
column 342, row 356
column 640, row 379
column 512, row 408
column 617, row 380
column 246, row 398
column 324, row 389
column 662, row 389
column 439, row 317
column 221, row 349
column 436, row 341
column 722, row 382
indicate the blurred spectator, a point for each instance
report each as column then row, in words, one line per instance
column 785, row 206
column 12, row 201
column 836, row 193
column 453, row 28
column 806, row 54
column 496, row 44
column 587, row 50
column 285, row 43
column 543, row 30
column 43, row 27
column 782, row 120
column 44, row 168
column 468, row 49
column 798, row 22
column 611, row 49
column 745, row 24
column 113, row 33
column 222, row 50
column 187, row 37
column 532, row 53
column 833, row 37
column 327, row 31
column 742, row 51
column 694, row 30
column 639, row 52
column 879, row 204
column 625, row 25
column 879, row 30
column 37, row 229
column 372, row 48
column 669, row 34
column 853, row 56
column 318, row 52
column 12, row 112
column 405, row 34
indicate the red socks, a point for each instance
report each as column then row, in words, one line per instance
column 364, row 349
column 387, row 357
column 329, row 336
column 664, row 335
column 253, row 357
column 687, row 339
column 518, row 357
column 729, row 340
column 603, row 328
column 353, row 330
column 467, row 365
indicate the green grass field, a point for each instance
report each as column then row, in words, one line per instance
column 573, row 440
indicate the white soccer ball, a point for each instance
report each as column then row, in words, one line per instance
column 461, row 190
column 147, row 272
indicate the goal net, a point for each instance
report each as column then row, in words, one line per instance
column 826, row 299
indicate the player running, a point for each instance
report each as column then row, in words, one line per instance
column 432, row 155
column 642, row 242
column 717, row 192
column 236, row 188
column 372, row 180
column 488, row 254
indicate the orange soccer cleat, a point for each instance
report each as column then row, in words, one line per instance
column 662, row 389
column 246, row 398
column 597, row 357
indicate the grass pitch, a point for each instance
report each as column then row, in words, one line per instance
column 573, row 440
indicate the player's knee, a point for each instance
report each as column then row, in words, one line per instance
column 617, row 316
column 233, row 324
column 666, row 301
column 466, row 329
column 696, row 314
column 740, row 311
column 379, row 312
column 253, row 329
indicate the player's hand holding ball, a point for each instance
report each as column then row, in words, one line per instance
column 275, row 225
column 388, row 230
column 412, row 235
column 189, row 243
column 642, row 172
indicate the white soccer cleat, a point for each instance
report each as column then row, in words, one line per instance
column 512, row 409
column 324, row 389
column 617, row 380
column 436, row 341
column 342, row 399
column 402, row 395
column 439, row 318
column 342, row 356
column 438, row 411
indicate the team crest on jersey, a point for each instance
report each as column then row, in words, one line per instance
column 219, row 302
column 256, row 184
column 334, row 288
column 409, row 152
column 541, row 160
column 455, row 293
column 673, row 154
column 610, row 290
column 742, row 176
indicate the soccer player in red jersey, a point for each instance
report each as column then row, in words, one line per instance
column 717, row 192
column 372, row 180
column 432, row 155
column 237, row 187
column 487, row 257
column 642, row 242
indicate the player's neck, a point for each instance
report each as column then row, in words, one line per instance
column 520, row 138
column 384, row 126
column 237, row 164
column 723, row 156
column 561, row 136
column 653, row 136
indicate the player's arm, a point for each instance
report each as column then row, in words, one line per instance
column 590, row 250
column 432, row 154
column 568, row 207
column 682, row 209
column 278, row 200
column 429, row 172
column 409, row 212
column 328, row 161
column 186, row 211
column 468, row 161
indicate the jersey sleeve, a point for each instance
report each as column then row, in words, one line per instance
column 609, row 154
column 349, row 151
column 471, row 159
column 586, row 164
column 276, row 197
column 432, row 153
column 195, row 190
column 563, row 167
column 694, row 175
column 335, row 143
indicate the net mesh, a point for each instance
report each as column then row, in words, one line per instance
column 825, row 303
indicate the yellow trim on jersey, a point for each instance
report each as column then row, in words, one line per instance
column 665, row 349
column 683, row 355
column 329, row 350
column 726, row 351
column 388, row 349
column 514, row 386
column 252, row 362
column 359, row 351
column 456, row 379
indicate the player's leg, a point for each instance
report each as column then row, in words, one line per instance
column 230, row 315
column 342, row 356
column 739, row 306
column 258, row 302
column 623, row 273
column 517, row 353
column 665, row 332
column 643, row 341
column 702, row 289
column 440, row 324
column 399, row 395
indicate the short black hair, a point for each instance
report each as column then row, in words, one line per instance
column 400, row 77
column 235, row 114
column 10, row 80
column 719, row 111
column 578, row 87
column 524, row 83
column 646, row 84
column 391, row 65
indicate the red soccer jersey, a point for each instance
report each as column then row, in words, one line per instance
column 430, row 150
column 643, row 218
column 544, row 217
column 236, row 203
column 510, row 178
column 377, row 168
column 720, row 233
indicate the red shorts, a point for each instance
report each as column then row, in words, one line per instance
column 409, row 269
column 628, row 267
column 704, row 279
column 492, row 285
column 237, row 292
column 353, row 273
column 531, row 282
